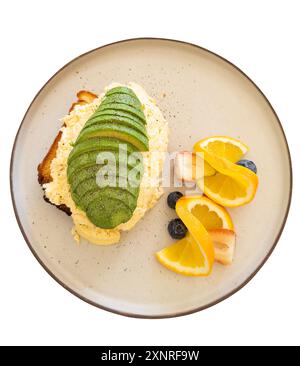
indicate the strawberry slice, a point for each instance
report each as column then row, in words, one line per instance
column 224, row 245
column 190, row 167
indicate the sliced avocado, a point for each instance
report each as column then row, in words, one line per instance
column 119, row 120
column 111, row 192
column 121, row 90
column 99, row 144
column 91, row 184
column 85, row 160
column 123, row 133
column 138, row 126
column 88, row 160
column 122, row 98
column 107, row 213
column 116, row 112
column 83, row 174
column 123, row 107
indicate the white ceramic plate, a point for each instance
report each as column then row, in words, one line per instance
column 204, row 95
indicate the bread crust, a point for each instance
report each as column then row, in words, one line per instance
column 44, row 168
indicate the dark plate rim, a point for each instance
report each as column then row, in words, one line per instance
column 171, row 315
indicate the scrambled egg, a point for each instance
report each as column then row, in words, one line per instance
column 58, row 191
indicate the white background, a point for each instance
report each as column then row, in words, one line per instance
column 37, row 38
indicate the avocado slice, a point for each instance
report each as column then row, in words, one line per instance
column 123, row 107
column 122, row 90
column 75, row 176
column 86, row 160
column 91, row 184
column 138, row 126
column 91, row 172
column 83, row 174
column 107, row 213
column 111, row 192
column 99, row 144
column 123, row 133
column 122, row 98
column 89, row 159
column 118, row 113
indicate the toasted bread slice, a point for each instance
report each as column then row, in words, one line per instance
column 44, row 168
column 44, row 171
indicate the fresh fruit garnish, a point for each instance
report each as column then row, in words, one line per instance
column 224, row 245
column 232, row 185
column 173, row 197
column 199, row 237
column 177, row 229
column 190, row 167
column 226, row 180
column 183, row 258
column 210, row 237
column 186, row 257
column 193, row 255
column 224, row 147
column 248, row 164
column 209, row 213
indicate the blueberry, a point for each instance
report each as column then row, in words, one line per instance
column 177, row 229
column 248, row 164
column 173, row 198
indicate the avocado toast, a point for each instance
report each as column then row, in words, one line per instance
column 109, row 206
column 124, row 117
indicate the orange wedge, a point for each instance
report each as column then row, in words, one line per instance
column 218, row 223
column 211, row 237
column 232, row 185
column 194, row 255
column 224, row 147
column 182, row 258
column 210, row 214
column 185, row 257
